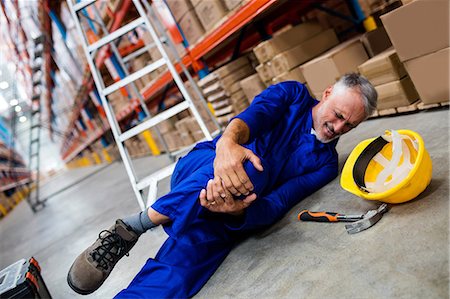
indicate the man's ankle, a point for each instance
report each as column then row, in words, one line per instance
column 139, row 222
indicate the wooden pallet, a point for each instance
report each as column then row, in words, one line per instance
column 416, row 106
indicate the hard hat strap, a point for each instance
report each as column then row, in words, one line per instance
column 359, row 169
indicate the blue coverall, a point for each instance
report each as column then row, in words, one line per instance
column 295, row 165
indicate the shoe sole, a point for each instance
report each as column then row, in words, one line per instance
column 77, row 290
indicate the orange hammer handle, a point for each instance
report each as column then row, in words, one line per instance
column 306, row 215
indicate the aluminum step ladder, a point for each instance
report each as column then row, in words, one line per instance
column 90, row 50
column 33, row 198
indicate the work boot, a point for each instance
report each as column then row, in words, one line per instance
column 93, row 266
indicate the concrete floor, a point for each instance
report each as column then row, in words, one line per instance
column 405, row 255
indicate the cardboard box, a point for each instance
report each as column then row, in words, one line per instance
column 196, row 2
column 235, row 87
column 430, row 75
column 218, row 96
column 314, row 46
column 213, row 89
column 208, row 80
column 238, row 108
column 173, row 140
column 383, row 68
column 220, row 104
column 223, row 120
column 192, row 124
column 210, row 12
column 376, row 41
column 286, row 40
column 230, row 4
column 198, row 135
column 327, row 20
column 396, row 94
column 293, row 75
column 183, row 125
column 230, row 67
column 316, row 95
column 191, row 27
column 238, row 97
column 418, row 28
column 223, row 72
column 223, row 111
column 237, row 76
column 252, row 86
column 179, row 8
column 265, row 71
column 326, row 69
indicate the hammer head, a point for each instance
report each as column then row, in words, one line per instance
column 369, row 219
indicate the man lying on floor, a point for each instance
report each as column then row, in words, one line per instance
column 272, row 155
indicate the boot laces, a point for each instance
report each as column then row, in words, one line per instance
column 112, row 247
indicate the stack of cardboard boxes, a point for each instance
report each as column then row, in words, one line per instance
column 376, row 41
column 118, row 101
column 195, row 17
column 280, row 56
column 326, row 69
column 223, row 91
column 182, row 129
column 252, row 86
column 387, row 73
column 180, row 132
column 419, row 32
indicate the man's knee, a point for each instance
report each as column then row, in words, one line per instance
column 258, row 178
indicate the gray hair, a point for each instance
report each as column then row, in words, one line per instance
column 368, row 93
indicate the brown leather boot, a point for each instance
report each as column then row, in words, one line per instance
column 91, row 268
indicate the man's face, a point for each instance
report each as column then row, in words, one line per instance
column 338, row 112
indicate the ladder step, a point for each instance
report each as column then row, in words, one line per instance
column 116, row 34
column 141, row 51
column 36, row 68
column 38, row 40
column 158, row 175
column 82, row 4
column 38, row 52
column 154, row 120
column 134, row 76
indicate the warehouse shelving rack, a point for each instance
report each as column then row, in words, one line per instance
column 13, row 179
column 12, row 167
column 26, row 50
column 234, row 23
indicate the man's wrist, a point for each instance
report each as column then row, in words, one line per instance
column 226, row 141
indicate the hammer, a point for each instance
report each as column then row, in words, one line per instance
column 359, row 222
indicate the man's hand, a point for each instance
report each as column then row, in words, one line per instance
column 229, row 170
column 225, row 204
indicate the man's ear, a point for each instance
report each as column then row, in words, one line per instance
column 327, row 92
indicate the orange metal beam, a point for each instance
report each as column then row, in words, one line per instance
column 230, row 26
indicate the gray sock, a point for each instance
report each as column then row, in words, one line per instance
column 139, row 222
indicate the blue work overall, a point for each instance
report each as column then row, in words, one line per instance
column 295, row 165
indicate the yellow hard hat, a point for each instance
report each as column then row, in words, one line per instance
column 391, row 168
